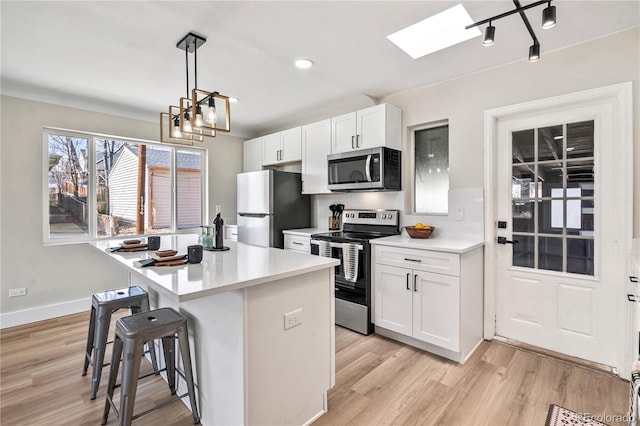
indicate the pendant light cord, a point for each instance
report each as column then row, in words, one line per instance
column 186, row 57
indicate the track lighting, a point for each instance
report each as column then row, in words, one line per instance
column 534, row 52
column 548, row 21
column 489, row 33
column 548, row 16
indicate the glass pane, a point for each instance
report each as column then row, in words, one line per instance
column 550, row 216
column 580, row 175
column 523, row 216
column 550, row 143
column 580, row 139
column 550, row 253
column 432, row 170
column 523, row 251
column 522, row 182
column 68, row 180
column 580, row 217
column 189, row 167
column 580, row 256
column 522, row 143
column 128, row 173
column 550, row 179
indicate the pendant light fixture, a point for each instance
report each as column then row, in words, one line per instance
column 548, row 21
column 196, row 116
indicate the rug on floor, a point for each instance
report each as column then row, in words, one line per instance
column 560, row 416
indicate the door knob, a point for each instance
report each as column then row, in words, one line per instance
column 503, row 240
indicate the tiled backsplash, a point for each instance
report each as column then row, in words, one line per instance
column 470, row 200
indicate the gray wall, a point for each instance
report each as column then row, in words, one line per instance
column 597, row 63
column 56, row 274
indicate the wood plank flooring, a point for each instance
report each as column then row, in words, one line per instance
column 382, row 382
column 378, row 382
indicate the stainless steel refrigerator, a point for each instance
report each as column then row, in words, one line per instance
column 270, row 201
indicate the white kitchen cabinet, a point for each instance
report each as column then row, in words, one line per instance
column 231, row 232
column 282, row 147
column 298, row 243
column 380, row 125
column 432, row 298
column 316, row 145
column 252, row 155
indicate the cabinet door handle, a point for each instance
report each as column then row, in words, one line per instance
column 633, row 279
column 412, row 260
column 633, row 298
column 357, row 141
column 408, row 274
column 352, row 142
column 415, row 282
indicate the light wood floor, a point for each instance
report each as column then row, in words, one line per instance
column 378, row 381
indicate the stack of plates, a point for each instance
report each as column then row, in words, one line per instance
column 132, row 245
column 168, row 258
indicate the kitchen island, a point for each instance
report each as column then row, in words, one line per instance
column 252, row 365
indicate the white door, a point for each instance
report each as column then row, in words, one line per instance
column 561, row 185
column 291, row 145
column 343, row 133
column 394, row 299
column 271, row 145
column 371, row 127
column 316, row 145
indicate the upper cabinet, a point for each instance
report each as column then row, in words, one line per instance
column 252, row 155
column 316, row 145
column 376, row 126
column 282, row 147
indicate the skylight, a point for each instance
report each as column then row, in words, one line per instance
column 435, row 33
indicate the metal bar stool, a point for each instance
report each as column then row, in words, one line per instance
column 132, row 333
column 102, row 306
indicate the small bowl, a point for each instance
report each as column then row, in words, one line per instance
column 422, row 233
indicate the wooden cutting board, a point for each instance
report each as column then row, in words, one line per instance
column 128, row 249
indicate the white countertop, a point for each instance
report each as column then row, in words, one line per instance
column 435, row 244
column 305, row 232
column 242, row 266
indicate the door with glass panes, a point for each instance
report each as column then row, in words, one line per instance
column 557, row 209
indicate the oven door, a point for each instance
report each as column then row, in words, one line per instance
column 358, row 283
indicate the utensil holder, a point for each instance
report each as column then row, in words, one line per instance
column 334, row 223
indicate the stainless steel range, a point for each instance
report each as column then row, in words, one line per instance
column 353, row 275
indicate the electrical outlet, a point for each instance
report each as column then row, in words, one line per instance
column 459, row 213
column 293, row 318
column 15, row 292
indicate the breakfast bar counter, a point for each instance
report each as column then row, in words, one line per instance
column 261, row 325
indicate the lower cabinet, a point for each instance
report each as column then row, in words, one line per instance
column 442, row 310
column 297, row 243
column 231, row 232
column 419, row 304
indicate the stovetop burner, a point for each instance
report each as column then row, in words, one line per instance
column 363, row 225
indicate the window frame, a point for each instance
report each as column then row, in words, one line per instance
column 412, row 163
column 92, row 218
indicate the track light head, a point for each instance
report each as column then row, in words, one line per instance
column 489, row 34
column 534, row 52
column 548, row 16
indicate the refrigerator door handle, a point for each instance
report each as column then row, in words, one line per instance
column 253, row 214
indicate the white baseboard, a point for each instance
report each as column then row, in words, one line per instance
column 26, row 316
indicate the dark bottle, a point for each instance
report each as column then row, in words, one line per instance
column 218, row 223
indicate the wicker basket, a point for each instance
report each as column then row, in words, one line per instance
column 419, row 232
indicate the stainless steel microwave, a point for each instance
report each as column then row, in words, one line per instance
column 374, row 169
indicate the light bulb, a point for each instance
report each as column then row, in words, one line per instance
column 198, row 122
column 210, row 116
column 187, row 123
column 175, row 131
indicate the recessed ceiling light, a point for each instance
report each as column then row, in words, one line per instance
column 304, row 63
column 233, row 100
column 435, row 33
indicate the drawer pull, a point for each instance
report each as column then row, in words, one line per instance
column 633, row 279
column 412, row 260
column 408, row 274
column 298, row 243
column 633, row 298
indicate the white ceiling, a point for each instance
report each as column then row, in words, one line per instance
column 120, row 57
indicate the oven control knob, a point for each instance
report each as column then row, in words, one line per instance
column 384, row 215
column 389, row 216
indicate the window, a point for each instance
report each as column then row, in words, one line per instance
column 102, row 187
column 431, row 170
column 553, row 198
